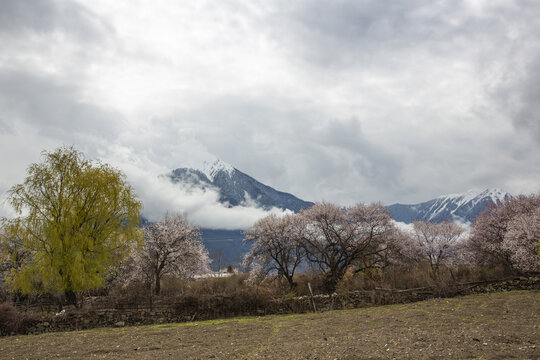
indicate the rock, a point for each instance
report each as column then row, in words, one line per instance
column 119, row 324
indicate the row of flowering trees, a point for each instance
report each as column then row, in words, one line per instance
column 332, row 240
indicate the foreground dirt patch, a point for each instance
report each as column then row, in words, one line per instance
column 488, row 326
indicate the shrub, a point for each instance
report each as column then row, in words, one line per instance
column 315, row 280
column 3, row 291
column 13, row 321
column 223, row 297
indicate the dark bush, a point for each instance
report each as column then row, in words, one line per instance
column 243, row 301
column 3, row 291
column 13, row 321
column 315, row 280
column 223, row 297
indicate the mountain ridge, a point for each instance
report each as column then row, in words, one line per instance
column 463, row 207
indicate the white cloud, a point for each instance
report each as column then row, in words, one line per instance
column 406, row 228
column 409, row 228
column 160, row 195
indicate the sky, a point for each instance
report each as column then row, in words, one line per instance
column 344, row 101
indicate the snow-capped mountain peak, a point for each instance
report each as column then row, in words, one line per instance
column 235, row 187
column 213, row 167
column 494, row 194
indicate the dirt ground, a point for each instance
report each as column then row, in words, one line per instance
column 488, row 326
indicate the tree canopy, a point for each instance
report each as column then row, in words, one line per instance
column 508, row 234
column 437, row 242
column 274, row 246
column 75, row 220
column 172, row 246
column 335, row 239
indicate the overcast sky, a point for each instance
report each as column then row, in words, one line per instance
column 342, row 101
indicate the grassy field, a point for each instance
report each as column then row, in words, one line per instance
column 488, row 326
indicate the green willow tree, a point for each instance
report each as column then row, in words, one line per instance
column 76, row 220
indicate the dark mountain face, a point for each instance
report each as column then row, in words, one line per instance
column 463, row 207
column 237, row 188
column 225, row 247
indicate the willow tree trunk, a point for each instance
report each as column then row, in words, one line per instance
column 71, row 297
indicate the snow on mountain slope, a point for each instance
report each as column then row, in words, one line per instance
column 464, row 207
column 212, row 168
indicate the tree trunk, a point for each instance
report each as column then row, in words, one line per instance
column 452, row 274
column 71, row 297
column 330, row 282
column 292, row 284
column 157, row 287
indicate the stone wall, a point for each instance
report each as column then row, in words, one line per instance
column 195, row 309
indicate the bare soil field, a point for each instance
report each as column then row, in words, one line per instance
column 487, row 326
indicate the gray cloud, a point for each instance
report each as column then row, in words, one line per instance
column 372, row 161
column 45, row 16
column 5, row 126
column 347, row 33
column 53, row 107
column 519, row 98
